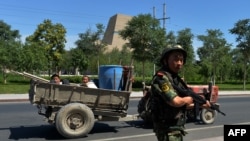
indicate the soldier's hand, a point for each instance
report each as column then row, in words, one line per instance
column 207, row 105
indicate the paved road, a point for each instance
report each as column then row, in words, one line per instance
column 24, row 97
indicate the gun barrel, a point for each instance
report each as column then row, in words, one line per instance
column 214, row 107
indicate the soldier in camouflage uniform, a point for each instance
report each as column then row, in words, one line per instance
column 169, row 108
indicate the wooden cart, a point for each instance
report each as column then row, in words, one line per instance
column 74, row 109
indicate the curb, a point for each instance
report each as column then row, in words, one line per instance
column 14, row 100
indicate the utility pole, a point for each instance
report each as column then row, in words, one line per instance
column 153, row 12
column 164, row 18
column 164, row 23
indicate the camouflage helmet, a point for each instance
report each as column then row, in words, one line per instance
column 168, row 50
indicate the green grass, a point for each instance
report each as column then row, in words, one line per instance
column 14, row 88
column 19, row 88
column 233, row 86
column 16, row 84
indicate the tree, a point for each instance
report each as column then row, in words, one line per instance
column 237, row 68
column 212, row 52
column 78, row 60
column 52, row 38
column 226, row 64
column 90, row 43
column 171, row 38
column 125, row 55
column 10, row 46
column 146, row 38
column 32, row 58
column 242, row 30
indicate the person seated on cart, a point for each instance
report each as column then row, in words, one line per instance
column 55, row 78
column 87, row 83
column 85, row 80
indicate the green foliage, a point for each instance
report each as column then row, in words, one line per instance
column 138, row 82
column 19, row 84
column 32, row 57
column 213, row 55
column 90, row 48
column 44, row 50
column 16, row 85
column 242, row 30
column 7, row 34
column 146, row 38
column 10, row 46
column 78, row 60
column 17, row 79
column 73, row 79
column 52, row 38
column 12, row 88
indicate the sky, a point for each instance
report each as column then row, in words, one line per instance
column 79, row 15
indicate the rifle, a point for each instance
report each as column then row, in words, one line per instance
column 197, row 99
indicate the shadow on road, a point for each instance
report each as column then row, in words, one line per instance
column 48, row 132
column 140, row 124
column 103, row 128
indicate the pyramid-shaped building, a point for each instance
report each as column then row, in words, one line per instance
column 111, row 36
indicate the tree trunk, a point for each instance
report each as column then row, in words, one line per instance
column 244, row 76
column 143, row 71
column 4, row 76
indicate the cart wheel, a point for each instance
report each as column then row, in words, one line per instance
column 74, row 120
column 208, row 116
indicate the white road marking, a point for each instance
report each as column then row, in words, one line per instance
column 152, row 134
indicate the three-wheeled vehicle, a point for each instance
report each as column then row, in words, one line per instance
column 206, row 116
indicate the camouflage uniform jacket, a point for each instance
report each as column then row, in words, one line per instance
column 165, row 116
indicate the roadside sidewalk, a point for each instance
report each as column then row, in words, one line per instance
column 138, row 94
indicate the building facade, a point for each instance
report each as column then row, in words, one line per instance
column 111, row 35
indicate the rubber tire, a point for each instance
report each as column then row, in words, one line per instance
column 144, row 110
column 141, row 105
column 77, row 113
column 208, row 116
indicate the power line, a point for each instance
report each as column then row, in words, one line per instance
column 71, row 19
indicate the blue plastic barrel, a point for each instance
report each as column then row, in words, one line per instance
column 110, row 77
